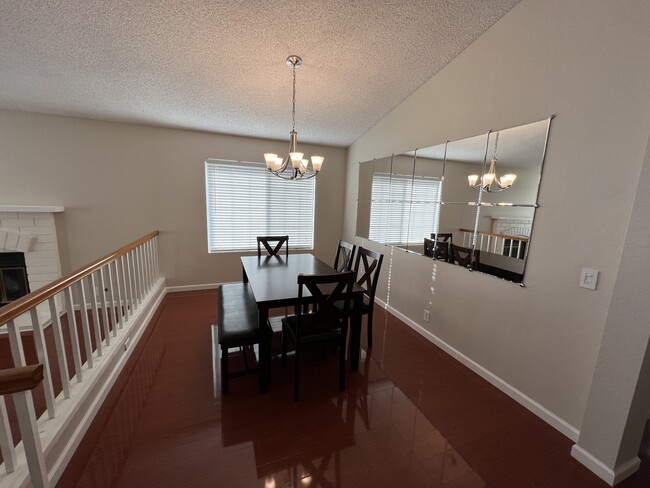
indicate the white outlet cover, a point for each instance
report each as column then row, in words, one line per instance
column 589, row 278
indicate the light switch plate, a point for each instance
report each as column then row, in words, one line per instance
column 589, row 278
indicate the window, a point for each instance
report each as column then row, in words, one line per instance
column 244, row 201
column 394, row 200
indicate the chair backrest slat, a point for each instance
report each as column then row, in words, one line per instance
column 344, row 256
column 464, row 256
column 272, row 251
column 371, row 266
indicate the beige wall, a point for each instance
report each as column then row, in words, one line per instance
column 120, row 181
column 585, row 61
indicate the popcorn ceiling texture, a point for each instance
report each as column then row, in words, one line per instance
column 220, row 66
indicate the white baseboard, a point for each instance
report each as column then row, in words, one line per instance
column 546, row 415
column 206, row 286
column 600, row 469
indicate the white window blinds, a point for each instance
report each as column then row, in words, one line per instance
column 244, row 201
column 404, row 210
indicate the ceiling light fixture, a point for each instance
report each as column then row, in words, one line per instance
column 293, row 167
column 485, row 182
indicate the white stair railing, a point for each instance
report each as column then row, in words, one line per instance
column 91, row 313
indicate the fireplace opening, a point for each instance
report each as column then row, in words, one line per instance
column 13, row 277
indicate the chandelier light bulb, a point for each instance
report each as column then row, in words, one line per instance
column 317, row 162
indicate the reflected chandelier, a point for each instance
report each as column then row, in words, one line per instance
column 485, row 183
column 293, row 167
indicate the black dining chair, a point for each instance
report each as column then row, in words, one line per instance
column 325, row 326
column 366, row 268
column 463, row 256
column 441, row 249
column 344, row 256
column 428, row 247
column 278, row 241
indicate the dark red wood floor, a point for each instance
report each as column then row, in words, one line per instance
column 411, row 417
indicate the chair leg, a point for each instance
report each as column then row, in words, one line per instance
column 224, row 370
column 370, row 326
column 296, row 378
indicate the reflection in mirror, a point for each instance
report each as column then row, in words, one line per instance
column 464, row 157
column 502, row 238
column 401, row 189
column 378, row 228
column 470, row 202
column 457, row 225
column 426, row 196
column 364, row 196
column 519, row 152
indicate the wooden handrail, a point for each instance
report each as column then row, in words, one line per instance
column 29, row 301
column 503, row 236
column 20, row 379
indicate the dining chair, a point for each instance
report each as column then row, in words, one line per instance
column 325, row 326
column 463, row 256
column 366, row 268
column 266, row 241
column 344, row 256
column 428, row 247
column 441, row 249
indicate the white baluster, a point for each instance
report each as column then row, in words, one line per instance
column 74, row 337
column 137, row 267
column 60, row 348
column 520, row 249
column 31, row 440
column 102, row 293
column 85, row 326
column 119, row 281
column 145, row 265
column 129, row 267
column 155, row 254
column 6, row 441
column 41, row 352
column 151, row 264
column 95, row 311
column 111, row 297
column 125, row 288
column 16, row 345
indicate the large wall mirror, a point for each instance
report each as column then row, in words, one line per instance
column 469, row 202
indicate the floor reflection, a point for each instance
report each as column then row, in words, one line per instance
column 411, row 417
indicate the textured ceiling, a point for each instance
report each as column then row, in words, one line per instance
column 219, row 66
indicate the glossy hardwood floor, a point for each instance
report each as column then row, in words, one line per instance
column 411, row 417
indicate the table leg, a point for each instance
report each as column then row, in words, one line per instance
column 244, row 276
column 265, row 348
column 355, row 334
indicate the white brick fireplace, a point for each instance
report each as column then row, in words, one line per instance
column 32, row 231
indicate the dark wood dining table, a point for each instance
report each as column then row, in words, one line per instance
column 274, row 281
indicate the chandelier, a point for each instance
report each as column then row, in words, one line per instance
column 293, row 167
column 486, row 182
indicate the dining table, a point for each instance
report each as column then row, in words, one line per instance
column 274, row 282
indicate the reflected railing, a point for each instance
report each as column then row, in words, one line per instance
column 502, row 244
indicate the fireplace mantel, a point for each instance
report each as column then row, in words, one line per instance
column 32, row 208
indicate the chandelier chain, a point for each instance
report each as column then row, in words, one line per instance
column 293, row 110
column 496, row 142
